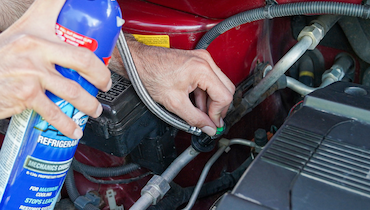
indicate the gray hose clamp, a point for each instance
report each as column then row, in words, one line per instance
column 267, row 11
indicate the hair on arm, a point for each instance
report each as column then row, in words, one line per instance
column 11, row 10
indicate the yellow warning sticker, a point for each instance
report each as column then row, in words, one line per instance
column 154, row 40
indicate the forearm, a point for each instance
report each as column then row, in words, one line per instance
column 116, row 63
column 11, row 10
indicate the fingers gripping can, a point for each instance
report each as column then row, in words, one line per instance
column 35, row 157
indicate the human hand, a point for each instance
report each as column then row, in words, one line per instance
column 170, row 75
column 28, row 51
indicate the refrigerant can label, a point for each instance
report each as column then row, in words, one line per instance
column 11, row 146
column 43, row 171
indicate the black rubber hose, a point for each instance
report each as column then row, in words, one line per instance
column 366, row 77
column 117, row 181
column 178, row 195
column 356, row 36
column 227, row 181
column 71, row 186
column 104, row 172
column 344, row 61
column 282, row 10
column 306, row 71
column 327, row 21
column 73, row 192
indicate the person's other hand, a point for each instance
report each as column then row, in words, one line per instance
column 28, row 51
column 170, row 75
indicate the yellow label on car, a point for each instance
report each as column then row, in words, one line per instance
column 154, row 40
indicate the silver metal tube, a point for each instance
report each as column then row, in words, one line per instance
column 143, row 93
column 279, row 69
column 329, row 80
column 179, row 163
column 208, row 166
column 169, row 174
column 298, row 87
column 242, row 142
column 143, row 203
column 336, row 73
column 203, row 177
column 325, row 83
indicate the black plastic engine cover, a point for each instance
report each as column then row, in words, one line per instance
column 319, row 159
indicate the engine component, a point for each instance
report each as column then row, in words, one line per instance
column 224, row 146
column 279, row 69
column 177, row 195
column 260, row 137
column 123, row 115
column 309, row 68
column 205, row 143
column 355, row 31
column 79, row 201
column 319, row 158
column 366, row 77
column 87, row 201
column 104, row 172
column 159, row 188
column 121, row 108
column 315, row 32
column 344, row 65
column 308, row 38
column 156, row 151
column 256, row 95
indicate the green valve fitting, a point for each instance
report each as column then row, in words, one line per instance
column 205, row 143
column 219, row 132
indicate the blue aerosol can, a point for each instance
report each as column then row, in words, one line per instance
column 35, row 157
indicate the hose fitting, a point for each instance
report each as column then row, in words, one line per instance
column 315, row 32
column 157, row 187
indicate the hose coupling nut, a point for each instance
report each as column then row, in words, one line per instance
column 157, row 187
column 315, row 32
column 195, row 131
column 333, row 74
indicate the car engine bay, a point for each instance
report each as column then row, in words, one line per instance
column 295, row 134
